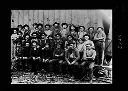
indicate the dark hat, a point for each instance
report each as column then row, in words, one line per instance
column 19, row 32
column 26, row 26
column 34, row 24
column 56, row 23
column 40, row 25
column 100, row 27
column 19, row 26
column 81, row 26
column 90, row 28
column 86, row 35
column 47, row 25
column 34, row 42
column 64, row 24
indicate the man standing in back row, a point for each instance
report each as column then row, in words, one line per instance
column 99, row 40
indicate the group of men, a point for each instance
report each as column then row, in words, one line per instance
column 58, row 48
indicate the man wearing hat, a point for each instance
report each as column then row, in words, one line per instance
column 58, row 41
column 99, row 39
column 81, row 32
column 64, row 30
column 26, row 29
column 91, row 33
column 47, row 30
column 73, row 32
column 56, row 29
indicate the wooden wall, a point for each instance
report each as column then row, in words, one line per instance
column 77, row 17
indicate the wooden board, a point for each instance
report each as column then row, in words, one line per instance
column 15, row 18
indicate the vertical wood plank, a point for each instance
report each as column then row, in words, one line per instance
column 57, row 16
column 35, row 16
column 41, row 16
column 21, row 17
column 68, row 16
column 62, row 16
column 26, row 13
column 15, row 18
column 51, row 17
column 46, row 19
column 12, row 19
column 30, row 18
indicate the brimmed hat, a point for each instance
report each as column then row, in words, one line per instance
column 56, row 23
column 64, row 24
column 25, row 26
column 90, row 28
column 81, row 26
column 47, row 25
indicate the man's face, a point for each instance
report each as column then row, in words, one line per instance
column 43, row 36
column 72, row 27
column 71, row 46
column 58, row 37
column 81, row 28
column 27, row 37
column 47, row 27
column 64, row 26
column 91, row 29
column 80, row 41
column 39, row 27
column 34, row 44
column 69, row 38
column 15, row 31
column 88, row 47
column 27, row 44
column 19, row 34
column 34, row 35
column 50, row 37
column 26, row 28
column 99, row 29
column 86, row 37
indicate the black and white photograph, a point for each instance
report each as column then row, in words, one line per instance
column 71, row 46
